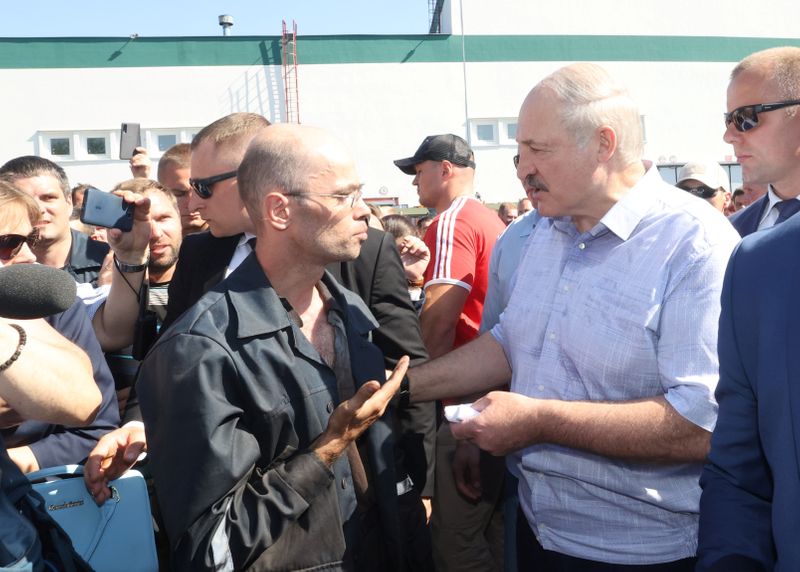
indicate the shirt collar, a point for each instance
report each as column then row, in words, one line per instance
column 260, row 310
column 626, row 214
column 773, row 198
column 244, row 238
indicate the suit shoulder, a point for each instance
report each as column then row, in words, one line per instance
column 780, row 238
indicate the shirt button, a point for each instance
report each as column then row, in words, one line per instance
column 344, row 483
column 552, row 335
column 541, row 388
column 582, row 245
column 566, row 288
column 329, row 406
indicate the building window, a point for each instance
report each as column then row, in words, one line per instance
column 166, row 141
column 485, row 132
column 59, row 146
column 96, row 145
column 511, row 131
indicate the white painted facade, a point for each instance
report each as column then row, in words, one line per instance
column 383, row 110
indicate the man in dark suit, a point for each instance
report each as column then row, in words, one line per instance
column 751, row 486
column 756, row 216
column 765, row 160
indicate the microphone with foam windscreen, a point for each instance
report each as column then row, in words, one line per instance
column 29, row 291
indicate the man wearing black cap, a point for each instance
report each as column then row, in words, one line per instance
column 460, row 239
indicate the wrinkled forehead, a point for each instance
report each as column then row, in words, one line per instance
column 540, row 117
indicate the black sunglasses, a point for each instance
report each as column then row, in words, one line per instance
column 203, row 186
column 702, row 191
column 745, row 118
column 11, row 244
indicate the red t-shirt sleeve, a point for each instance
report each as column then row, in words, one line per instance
column 453, row 252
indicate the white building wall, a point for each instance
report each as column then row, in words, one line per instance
column 382, row 111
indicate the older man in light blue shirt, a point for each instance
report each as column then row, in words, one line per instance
column 609, row 340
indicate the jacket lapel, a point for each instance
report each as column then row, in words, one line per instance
column 218, row 260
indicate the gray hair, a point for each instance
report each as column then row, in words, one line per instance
column 591, row 98
column 781, row 65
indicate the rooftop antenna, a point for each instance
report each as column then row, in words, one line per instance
column 226, row 21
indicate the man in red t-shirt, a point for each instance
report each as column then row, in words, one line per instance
column 460, row 239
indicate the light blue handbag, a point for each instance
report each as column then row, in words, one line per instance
column 115, row 536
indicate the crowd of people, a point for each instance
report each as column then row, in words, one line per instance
column 598, row 377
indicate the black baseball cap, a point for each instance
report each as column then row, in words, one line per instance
column 446, row 147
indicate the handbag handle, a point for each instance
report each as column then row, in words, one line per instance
column 106, row 514
column 107, row 510
column 62, row 471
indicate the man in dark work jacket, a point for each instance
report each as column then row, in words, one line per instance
column 242, row 390
column 376, row 275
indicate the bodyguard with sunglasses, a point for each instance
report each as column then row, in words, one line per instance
column 764, row 104
column 749, row 515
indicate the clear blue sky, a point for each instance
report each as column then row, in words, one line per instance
column 50, row 18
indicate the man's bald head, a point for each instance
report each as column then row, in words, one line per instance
column 286, row 158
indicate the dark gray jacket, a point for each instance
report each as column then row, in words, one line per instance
column 232, row 396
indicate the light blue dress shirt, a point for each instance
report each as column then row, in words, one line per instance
column 503, row 265
column 627, row 310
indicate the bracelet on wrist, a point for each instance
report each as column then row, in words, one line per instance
column 126, row 268
column 23, row 338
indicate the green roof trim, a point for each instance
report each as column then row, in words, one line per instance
column 27, row 53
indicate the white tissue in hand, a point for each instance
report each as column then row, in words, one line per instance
column 459, row 413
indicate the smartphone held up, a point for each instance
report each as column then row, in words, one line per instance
column 107, row 210
column 129, row 139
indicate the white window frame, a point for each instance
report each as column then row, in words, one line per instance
column 500, row 128
column 503, row 131
column 473, row 126
column 83, row 148
column 44, row 138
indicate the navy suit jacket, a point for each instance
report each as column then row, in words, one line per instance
column 746, row 220
column 750, row 506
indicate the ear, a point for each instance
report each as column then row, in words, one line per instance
column 277, row 210
column 607, row 143
column 447, row 169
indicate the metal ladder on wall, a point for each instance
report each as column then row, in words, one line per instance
column 289, row 45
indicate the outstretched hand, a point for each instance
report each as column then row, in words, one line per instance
column 415, row 256
column 354, row 416
column 115, row 453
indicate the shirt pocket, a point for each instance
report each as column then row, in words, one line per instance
column 613, row 339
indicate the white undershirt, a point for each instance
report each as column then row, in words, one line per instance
column 242, row 251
